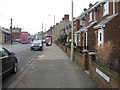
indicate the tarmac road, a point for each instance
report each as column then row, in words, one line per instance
column 25, row 57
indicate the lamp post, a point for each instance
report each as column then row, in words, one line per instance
column 53, row 18
column 72, row 48
column 55, row 32
column 11, row 30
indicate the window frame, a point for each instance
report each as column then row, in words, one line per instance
column 106, row 8
column 81, row 23
column 100, row 37
column 90, row 16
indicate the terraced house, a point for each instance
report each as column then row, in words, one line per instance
column 98, row 24
column 97, row 31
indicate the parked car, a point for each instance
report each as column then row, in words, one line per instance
column 44, row 41
column 8, row 62
column 37, row 45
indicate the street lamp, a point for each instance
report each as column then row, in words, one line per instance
column 55, row 34
column 53, row 17
column 11, row 30
column 72, row 48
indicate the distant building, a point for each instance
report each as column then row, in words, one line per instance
column 5, row 36
column 16, row 33
column 38, row 36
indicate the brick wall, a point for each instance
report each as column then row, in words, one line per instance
column 79, row 58
column 112, row 33
column 91, row 39
column 114, row 79
column 68, row 51
column 16, row 36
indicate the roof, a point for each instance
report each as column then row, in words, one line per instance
column 5, row 31
column 90, row 9
column 108, row 19
column 63, row 24
column 92, row 23
column 85, row 28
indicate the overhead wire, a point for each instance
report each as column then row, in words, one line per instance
column 4, row 16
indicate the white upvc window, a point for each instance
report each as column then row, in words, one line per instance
column 106, row 8
column 81, row 22
column 90, row 16
column 100, row 37
column 79, row 37
column 75, row 39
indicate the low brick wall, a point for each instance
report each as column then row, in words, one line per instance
column 98, row 73
column 68, row 51
column 64, row 47
column 102, row 76
column 79, row 58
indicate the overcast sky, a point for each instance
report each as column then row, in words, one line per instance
column 30, row 14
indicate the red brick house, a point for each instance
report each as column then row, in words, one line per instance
column 16, row 33
column 100, row 15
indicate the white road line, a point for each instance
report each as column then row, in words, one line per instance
column 26, row 65
column 21, row 70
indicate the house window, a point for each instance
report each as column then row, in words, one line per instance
column 106, row 8
column 79, row 37
column 81, row 22
column 90, row 17
column 100, row 36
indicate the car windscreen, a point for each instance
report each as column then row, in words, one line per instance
column 37, row 42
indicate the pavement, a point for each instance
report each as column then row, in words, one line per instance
column 53, row 69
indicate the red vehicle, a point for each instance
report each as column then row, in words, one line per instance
column 48, row 40
column 24, row 38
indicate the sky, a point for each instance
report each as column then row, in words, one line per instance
column 30, row 14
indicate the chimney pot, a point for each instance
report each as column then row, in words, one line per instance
column 90, row 5
column 66, row 17
column 62, row 19
column 85, row 9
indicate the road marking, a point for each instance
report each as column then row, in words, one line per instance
column 29, row 62
column 21, row 69
column 26, row 65
column 41, row 56
column 51, row 65
column 87, row 72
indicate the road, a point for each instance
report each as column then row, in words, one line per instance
column 25, row 57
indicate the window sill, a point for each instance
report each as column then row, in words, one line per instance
column 90, row 21
column 105, row 14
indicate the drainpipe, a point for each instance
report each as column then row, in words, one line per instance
column 113, row 7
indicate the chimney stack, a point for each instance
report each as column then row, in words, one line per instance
column 57, row 23
column 90, row 5
column 62, row 19
column 66, row 17
column 51, row 27
column 85, row 9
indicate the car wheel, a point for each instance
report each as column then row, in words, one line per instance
column 15, row 67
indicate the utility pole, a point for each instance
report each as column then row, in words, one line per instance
column 11, row 30
column 72, row 48
column 42, row 31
